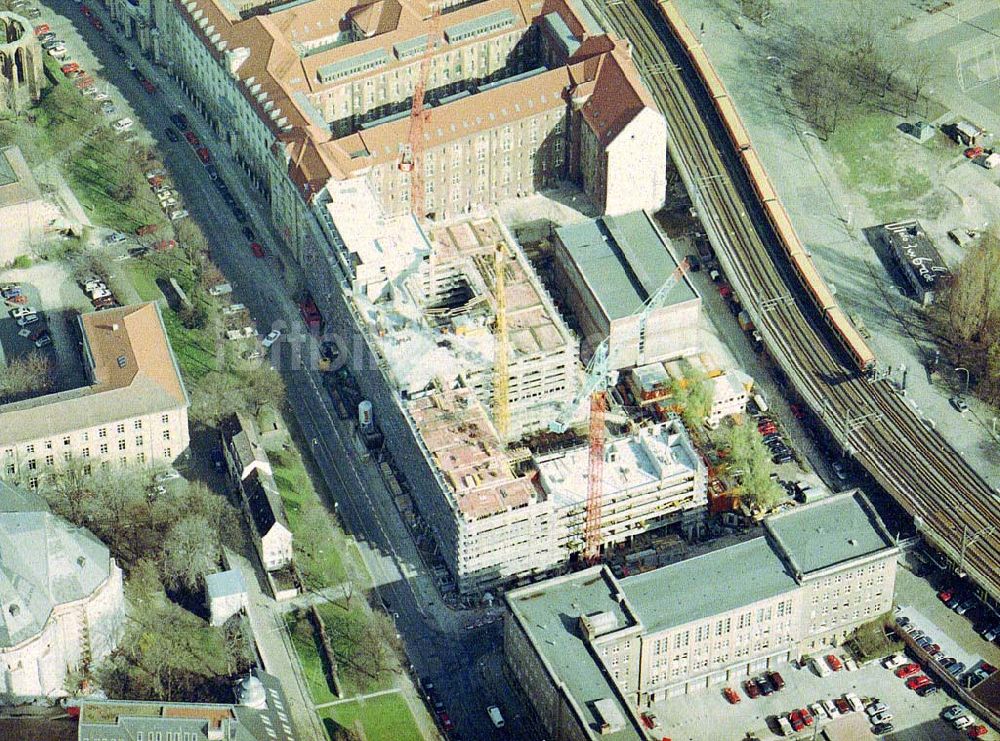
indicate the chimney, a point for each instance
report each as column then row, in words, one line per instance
column 115, row 327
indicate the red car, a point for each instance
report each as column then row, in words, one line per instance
column 647, row 721
column 933, row 649
column 795, row 718
column 164, row 244
column 69, row 67
column 797, row 411
column 767, row 429
column 843, row 706
column 751, row 688
column 96, row 23
column 42, row 28
column 907, row 670
column 85, row 10
column 446, row 722
column 192, row 138
column 82, row 82
column 807, row 717
column 148, row 87
column 257, row 250
column 915, row 683
column 834, row 662
column 732, row 697
column 973, row 152
column 976, row 731
column 945, row 595
column 203, row 155
column 725, row 291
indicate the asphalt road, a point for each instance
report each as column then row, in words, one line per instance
column 464, row 664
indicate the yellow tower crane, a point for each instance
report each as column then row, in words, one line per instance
column 501, row 378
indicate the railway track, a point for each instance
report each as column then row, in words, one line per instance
column 952, row 507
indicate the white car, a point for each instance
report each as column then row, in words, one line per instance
column 819, row 666
column 20, row 311
column 91, row 91
column 130, row 65
column 114, row 238
column 876, row 708
column 177, row 215
column 168, row 202
column 24, row 321
column 962, row 721
column 164, row 193
column 101, row 97
column 494, row 712
column 271, row 338
column 123, row 124
column 880, row 718
column 99, row 293
column 894, row 661
column 169, row 475
column 818, row 711
column 830, row 708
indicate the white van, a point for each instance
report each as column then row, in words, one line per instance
column 761, row 404
column 494, row 713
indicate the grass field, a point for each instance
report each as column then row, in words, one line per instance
column 307, row 647
column 382, row 718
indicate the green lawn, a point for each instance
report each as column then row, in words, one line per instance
column 194, row 348
column 143, row 280
column 307, row 647
column 337, row 555
column 383, row 718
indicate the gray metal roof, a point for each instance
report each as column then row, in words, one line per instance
column 829, row 532
column 549, row 613
column 707, row 585
column 44, row 561
column 225, row 584
column 370, row 60
column 561, row 32
column 623, row 260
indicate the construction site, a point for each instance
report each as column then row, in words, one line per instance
column 509, row 414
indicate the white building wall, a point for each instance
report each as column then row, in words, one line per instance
column 670, row 332
column 276, row 547
column 636, row 165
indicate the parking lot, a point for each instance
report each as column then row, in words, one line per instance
column 707, row 714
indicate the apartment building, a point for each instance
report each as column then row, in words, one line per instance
column 309, row 93
column 610, row 270
column 133, row 410
column 590, row 649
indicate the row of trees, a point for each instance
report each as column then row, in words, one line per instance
column 134, row 517
column 749, row 461
column 967, row 317
column 860, row 66
column 692, row 395
column 24, row 376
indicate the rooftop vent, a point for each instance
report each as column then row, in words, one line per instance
column 13, row 610
column 81, row 561
column 115, row 327
column 121, row 361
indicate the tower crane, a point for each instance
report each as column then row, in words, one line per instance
column 412, row 160
column 599, row 377
column 501, row 378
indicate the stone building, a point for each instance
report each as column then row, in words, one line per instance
column 61, row 598
column 590, row 649
column 133, row 409
column 22, row 69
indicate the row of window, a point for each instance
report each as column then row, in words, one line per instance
column 102, row 432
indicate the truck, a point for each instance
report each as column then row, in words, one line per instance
column 310, row 314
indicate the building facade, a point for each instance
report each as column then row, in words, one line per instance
column 133, row 410
column 62, row 596
column 22, row 68
column 819, row 572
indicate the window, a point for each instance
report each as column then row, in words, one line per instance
column 86, row 469
column 48, row 445
column 86, row 437
column 138, row 441
column 50, row 460
column 123, row 460
column 85, row 453
column 121, row 444
column 104, row 448
column 141, row 457
column 121, row 428
column 166, row 453
column 10, row 452
column 103, row 432
column 66, row 440
column 29, row 449
column 67, row 456
column 166, row 434
column 137, row 424
column 33, row 483
column 10, row 469
column 32, row 464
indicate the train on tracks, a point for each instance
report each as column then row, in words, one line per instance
column 800, row 259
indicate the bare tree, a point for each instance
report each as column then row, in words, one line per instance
column 192, row 554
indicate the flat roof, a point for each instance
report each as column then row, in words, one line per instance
column 713, row 583
column 829, row 532
column 624, row 260
column 916, row 254
column 550, row 615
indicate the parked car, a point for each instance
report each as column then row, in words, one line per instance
column 883, row 728
column 192, row 138
column 19, row 311
column 965, row 606
column 894, row 662
column 750, row 687
column 881, row 718
column 777, row 680
column 171, row 134
column 177, row 215
column 830, row 707
column 44, row 341
column 731, row 695
column 148, row 87
column 807, row 717
column 257, row 249
column 955, row 669
column 179, row 120
column 203, row 155
column 962, row 721
column 914, row 683
column 108, row 108
column 819, row 711
column 24, row 321
column 795, row 718
column 249, row 234
column 952, row 711
column 875, row 708
column 271, row 338
column 927, row 689
column 765, row 686
column 123, row 124
column 842, row 705
column 976, row 731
